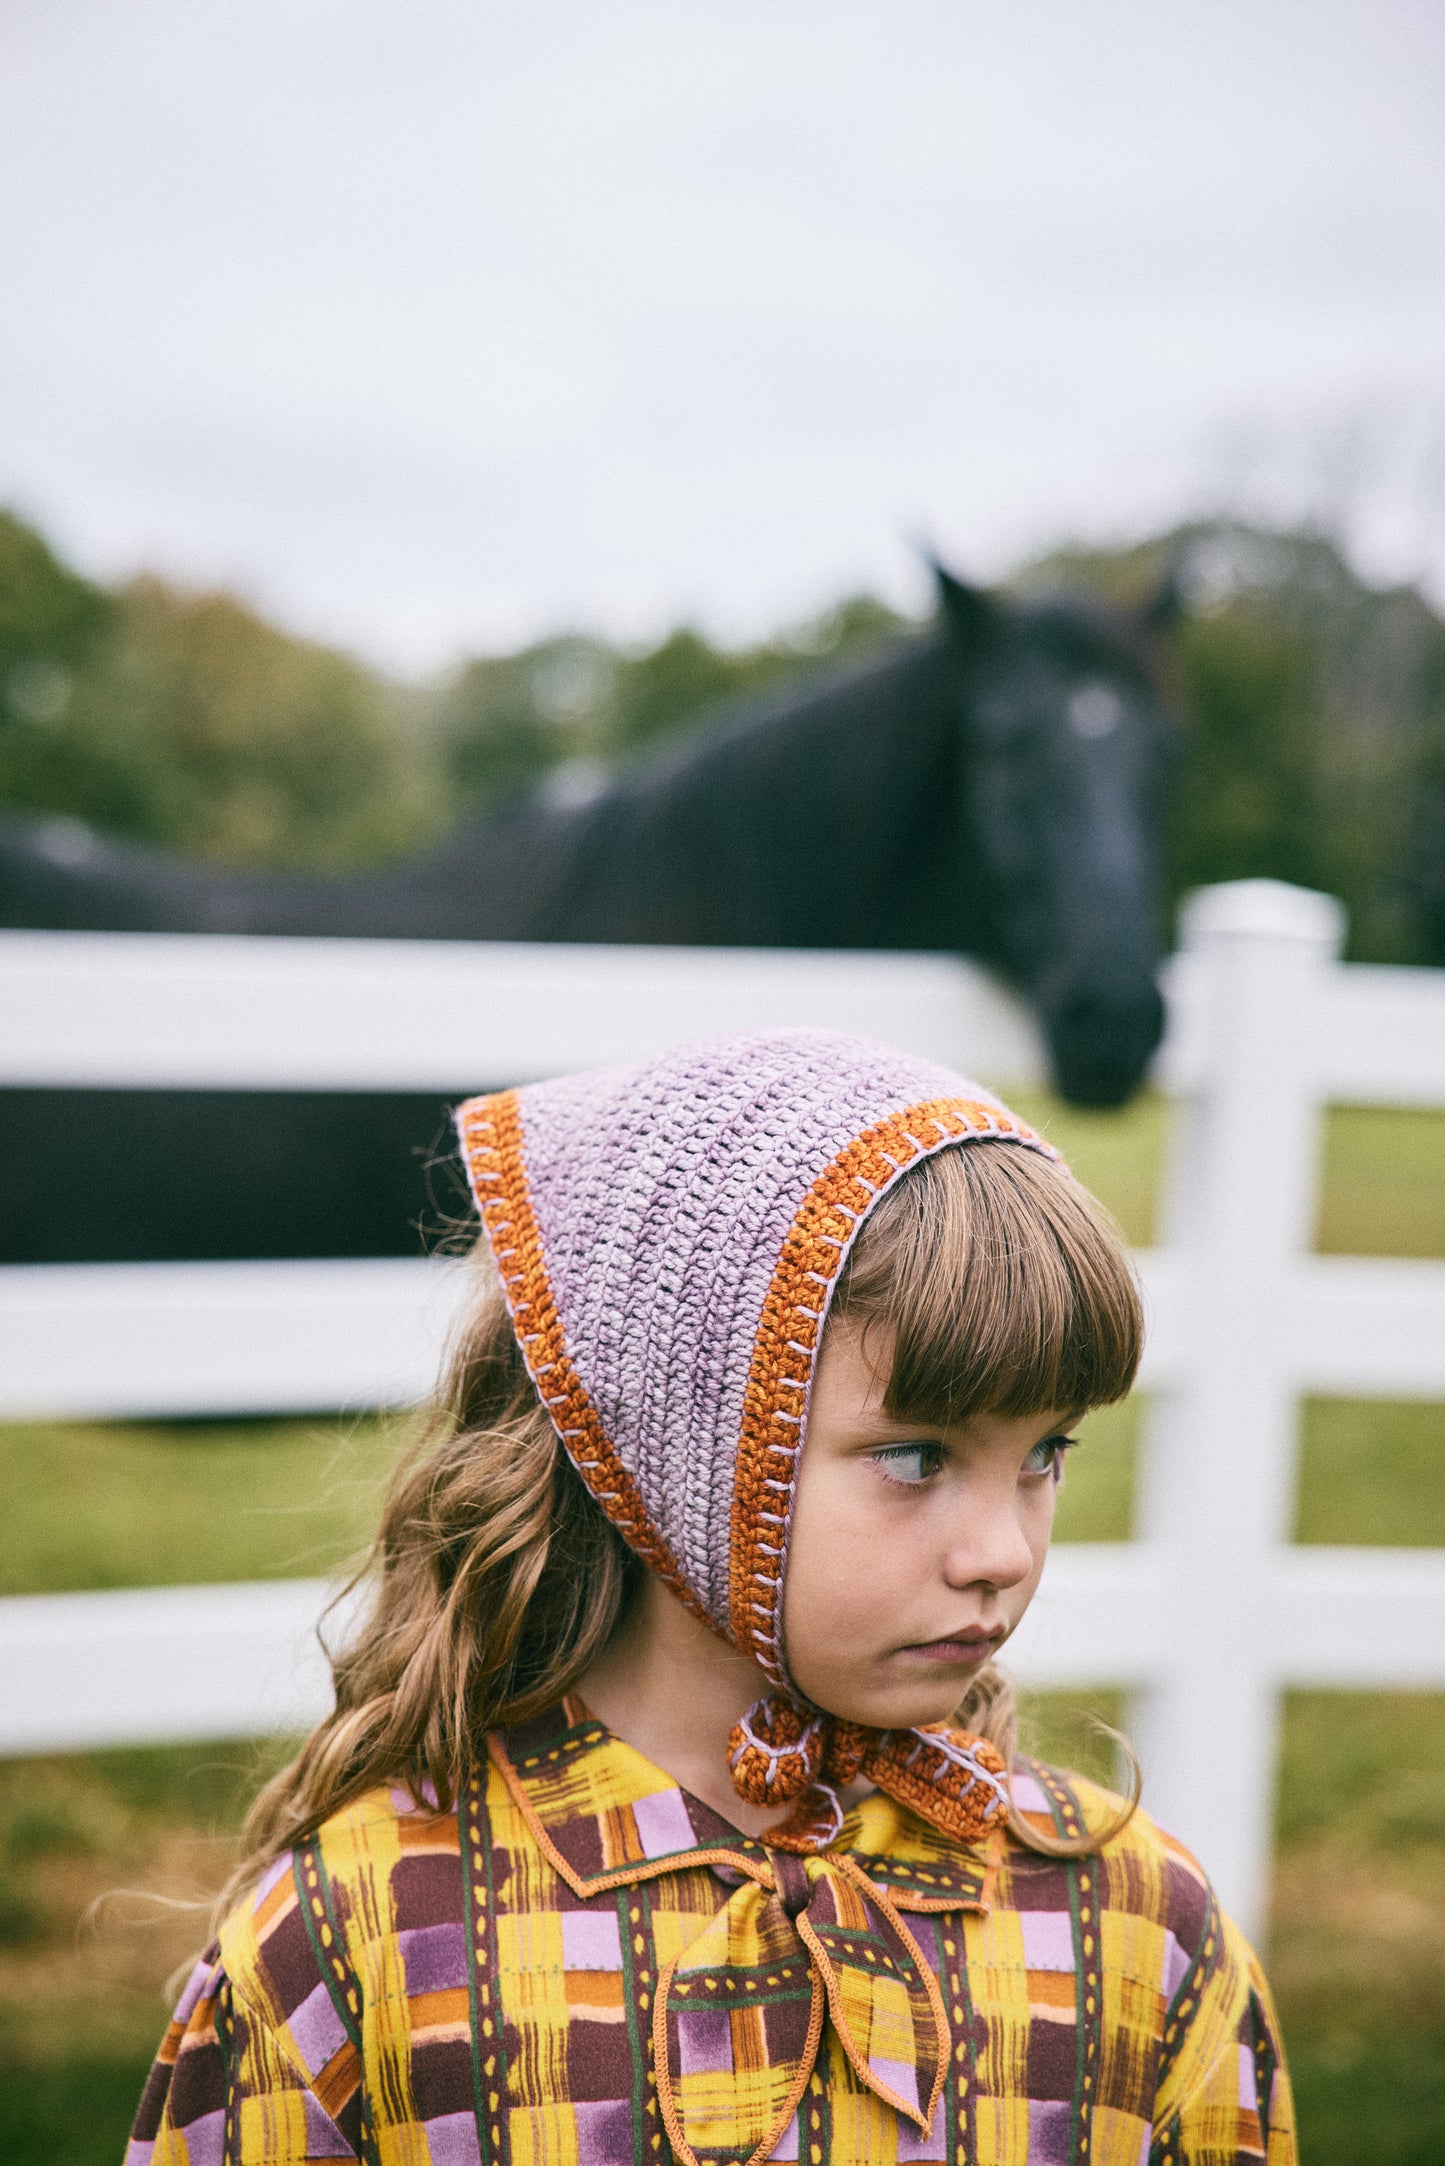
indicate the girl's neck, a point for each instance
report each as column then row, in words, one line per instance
column 672, row 1689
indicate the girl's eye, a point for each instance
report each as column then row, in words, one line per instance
column 910, row 1463
column 1048, row 1457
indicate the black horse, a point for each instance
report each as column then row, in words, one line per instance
column 990, row 787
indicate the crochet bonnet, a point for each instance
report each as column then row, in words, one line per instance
column 668, row 1237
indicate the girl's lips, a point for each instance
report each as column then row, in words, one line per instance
column 968, row 1647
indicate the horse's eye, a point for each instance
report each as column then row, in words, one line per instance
column 1094, row 711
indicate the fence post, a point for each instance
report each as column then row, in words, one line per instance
column 1217, row 1479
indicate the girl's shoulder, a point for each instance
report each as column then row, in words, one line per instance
column 385, row 1866
column 273, row 2009
column 1058, row 1801
column 1139, row 1869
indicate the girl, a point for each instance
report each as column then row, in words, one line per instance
column 670, row 1808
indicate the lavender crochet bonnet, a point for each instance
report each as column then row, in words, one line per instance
column 669, row 1236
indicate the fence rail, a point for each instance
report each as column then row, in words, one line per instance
column 1205, row 1618
column 124, row 1341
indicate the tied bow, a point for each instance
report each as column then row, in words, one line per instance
column 780, row 1751
column 739, row 2014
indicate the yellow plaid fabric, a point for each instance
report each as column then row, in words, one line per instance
column 581, row 1965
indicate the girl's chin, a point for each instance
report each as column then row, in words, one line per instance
column 910, row 1713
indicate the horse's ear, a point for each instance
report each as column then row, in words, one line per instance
column 970, row 613
column 1167, row 604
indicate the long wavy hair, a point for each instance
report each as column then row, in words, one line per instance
column 495, row 1580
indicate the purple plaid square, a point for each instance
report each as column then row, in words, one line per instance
column 323, row 2138
column 1176, row 1963
column 901, row 2077
column 194, row 1987
column 1048, row 1939
column 786, row 2146
column 1027, row 1794
column 662, row 1824
column 317, row 2029
column 276, row 1870
column 705, row 2042
column 206, row 2139
column 604, row 2133
column 435, row 1957
column 915, row 2148
column 590, row 1941
column 1048, row 2132
column 451, row 2140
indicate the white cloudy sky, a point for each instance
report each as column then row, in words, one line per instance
column 432, row 323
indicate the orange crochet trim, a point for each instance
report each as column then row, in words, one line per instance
column 788, row 1337
column 491, row 1133
column 955, row 1781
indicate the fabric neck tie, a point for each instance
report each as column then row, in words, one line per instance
column 739, row 2015
column 783, row 1753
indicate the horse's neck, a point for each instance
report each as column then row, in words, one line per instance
column 818, row 821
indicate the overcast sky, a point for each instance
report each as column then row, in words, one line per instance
column 436, row 323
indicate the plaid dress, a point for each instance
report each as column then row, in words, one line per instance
column 582, row 1965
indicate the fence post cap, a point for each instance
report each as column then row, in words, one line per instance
column 1263, row 910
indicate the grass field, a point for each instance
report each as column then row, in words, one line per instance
column 1359, row 1907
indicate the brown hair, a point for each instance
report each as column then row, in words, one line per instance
column 1002, row 1287
column 496, row 1580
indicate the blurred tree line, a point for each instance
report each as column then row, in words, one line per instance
column 1313, row 747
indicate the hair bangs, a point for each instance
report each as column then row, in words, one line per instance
column 1005, row 1287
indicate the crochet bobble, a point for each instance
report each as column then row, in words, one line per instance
column 779, row 1753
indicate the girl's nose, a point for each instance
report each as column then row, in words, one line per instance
column 991, row 1548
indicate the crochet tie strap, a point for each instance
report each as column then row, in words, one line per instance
column 781, row 1752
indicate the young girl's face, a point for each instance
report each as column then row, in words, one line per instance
column 914, row 1550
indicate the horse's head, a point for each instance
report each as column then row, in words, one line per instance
column 1067, row 744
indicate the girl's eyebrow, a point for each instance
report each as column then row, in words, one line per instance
column 885, row 1430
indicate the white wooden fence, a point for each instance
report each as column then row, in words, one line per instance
column 1204, row 1618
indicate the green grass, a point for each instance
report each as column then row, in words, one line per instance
column 1383, row 1186
column 1096, row 1502
column 1372, row 1471
column 1359, row 1913
column 83, row 1967
column 134, row 1505
column 1358, row 1920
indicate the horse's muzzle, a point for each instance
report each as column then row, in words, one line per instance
column 1101, row 1040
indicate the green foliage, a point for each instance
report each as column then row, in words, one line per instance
column 507, row 720
column 194, row 725
column 51, row 620
column 1314, row 747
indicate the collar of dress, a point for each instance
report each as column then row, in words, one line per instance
column 606, row 1818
